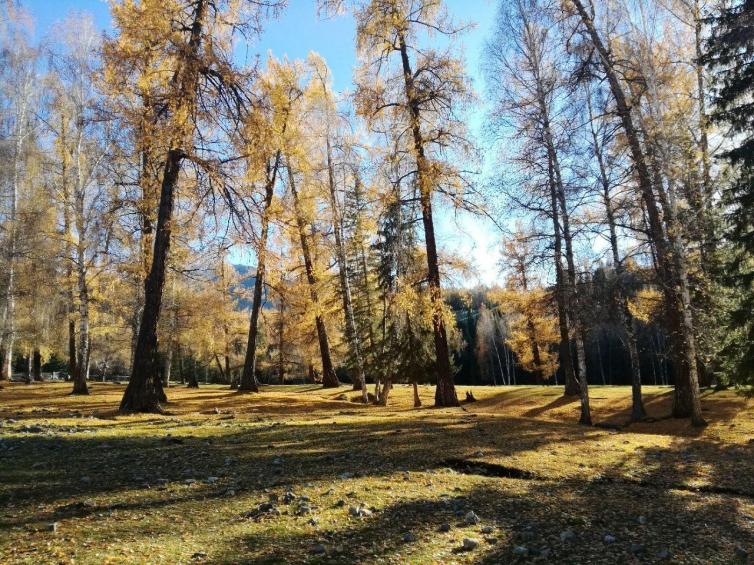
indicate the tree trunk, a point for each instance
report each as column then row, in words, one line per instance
column 626, row 319
column 144, row 390
column 445, row 392
column 329, row 379
column 352, row 337
column 37, row 365
column 670, row 259
column 248, row 376
column 417, row 400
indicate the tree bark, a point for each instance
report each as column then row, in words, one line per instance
column 36, row 365
column 144, row 392
column 329, row 379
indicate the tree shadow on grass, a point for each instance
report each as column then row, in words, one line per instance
column 519, row 513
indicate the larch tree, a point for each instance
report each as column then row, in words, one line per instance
column 665, row 229
column 530, row 93
column 265, row 134
column 421, row 91
column 188, row 43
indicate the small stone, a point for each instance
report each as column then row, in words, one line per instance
column 313, row 521
column 265, row 507
column 190, row 481
column 642, row 520
column 444, row 527
column 408, row 537
column 545, row 553
column 345, row 475
column 520, row 551
column 609, row 538
column 567, row 535
column 52, row 527
column 340, row 503
column 664, row 554
column 199, row 555
column 303, row 510
column 319, row 549
column 212, row 480
column 288, row 497
column 487, row 529
column 636, row 548
column 478, row 453
column 471, row 518
column 470, row 544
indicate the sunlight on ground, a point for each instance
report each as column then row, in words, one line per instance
column 187, row 486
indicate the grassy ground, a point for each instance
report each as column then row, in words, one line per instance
column 187, row 486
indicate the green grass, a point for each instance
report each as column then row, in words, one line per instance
column 137, row 504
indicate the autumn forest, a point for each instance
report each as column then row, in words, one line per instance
column 206, row 232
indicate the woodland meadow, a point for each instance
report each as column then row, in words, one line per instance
column 233, row 329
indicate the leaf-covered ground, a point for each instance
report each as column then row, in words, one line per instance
column 301, row 474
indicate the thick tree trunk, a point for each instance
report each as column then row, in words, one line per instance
column 144, row 389
column 417, row 400
column 670, row 258
column 329, row 379
column 36, row 365
column 445, row 392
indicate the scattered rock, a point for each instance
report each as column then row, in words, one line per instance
column 487, row 529
column 664, row 554
column 199, row 555
column 642, row 520
column 212, row 480
column 636, row 548
column 190, row 481
column 567, row 535
column 319, row 549
column 313, row 521
column 444, row 527
column 609, row 538
column 266, row 507
column 470, row 544
column 408, row 537
column 359, row 511
column 303, row 509
column 471, row 518
column 520, row 551
column 345, row 475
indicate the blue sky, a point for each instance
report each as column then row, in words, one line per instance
column 297, row 32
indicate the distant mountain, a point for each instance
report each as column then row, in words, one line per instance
column 248, row 279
